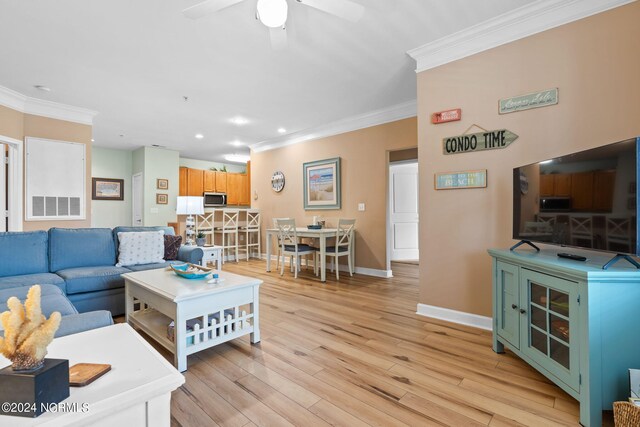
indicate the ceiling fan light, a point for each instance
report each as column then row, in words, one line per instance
column 272, row 13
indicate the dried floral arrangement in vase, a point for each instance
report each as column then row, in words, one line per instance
column 27, row 332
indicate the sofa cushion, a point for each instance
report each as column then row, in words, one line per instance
column 91, row 279
column 142, row 247
column 33, row 279
column 171, row 246
column 51, row 299
column 143, row 267
column 111, row 299
column 80, row 247
column 23, row 253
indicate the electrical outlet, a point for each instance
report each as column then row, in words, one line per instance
column 361, row 207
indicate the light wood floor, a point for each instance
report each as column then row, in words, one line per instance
column 354, row 353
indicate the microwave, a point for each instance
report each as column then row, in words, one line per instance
column 212, row 200
column 555, row 204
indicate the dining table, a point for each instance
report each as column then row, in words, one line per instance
column 322, row 235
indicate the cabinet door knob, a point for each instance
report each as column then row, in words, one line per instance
column 523, row 311
column 515, row 307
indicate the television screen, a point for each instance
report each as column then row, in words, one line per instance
column 587, row 199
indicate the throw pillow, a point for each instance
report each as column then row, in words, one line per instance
column 140, row 247
column 171, row 246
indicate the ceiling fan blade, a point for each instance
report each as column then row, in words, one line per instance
column 344, row 9
column 206, row 7
column 278, row 38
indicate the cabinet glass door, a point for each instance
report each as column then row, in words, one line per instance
column 551, row 313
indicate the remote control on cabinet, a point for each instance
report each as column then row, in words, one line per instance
column 571, row 256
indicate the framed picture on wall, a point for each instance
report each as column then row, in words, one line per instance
column 322, row 184
column 162, row 199
column 107, row 189
column 162, row 184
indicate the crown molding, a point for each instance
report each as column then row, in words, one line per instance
column 522, row 22
column 40, row 107
column 372, row 118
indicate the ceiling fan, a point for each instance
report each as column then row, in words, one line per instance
column 273, row 13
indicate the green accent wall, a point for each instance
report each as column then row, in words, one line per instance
column 160, row 163
column 109, row 163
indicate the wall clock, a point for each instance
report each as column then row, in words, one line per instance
column 277, row 181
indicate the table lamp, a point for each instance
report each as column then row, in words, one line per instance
column 190, row 205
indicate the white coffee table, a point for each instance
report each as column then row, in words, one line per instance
column 223, row 311
column 135, row 392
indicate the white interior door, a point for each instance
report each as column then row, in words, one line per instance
column 403, row 201
column 3, row 188
column 136, row 199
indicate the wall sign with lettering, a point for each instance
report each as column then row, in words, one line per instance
column 528, row 101
column 489, row 140
column 446, row 116
column 464, row 179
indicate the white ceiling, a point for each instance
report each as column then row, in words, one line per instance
column 133, row 61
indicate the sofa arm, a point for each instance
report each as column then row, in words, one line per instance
column 192, row 254
column 74, row 323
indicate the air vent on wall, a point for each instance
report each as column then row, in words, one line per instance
column 55, row 206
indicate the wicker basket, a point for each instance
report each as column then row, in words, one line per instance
column 626, row 414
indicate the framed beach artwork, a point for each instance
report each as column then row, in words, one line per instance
column 322, row 184
column 107, row 189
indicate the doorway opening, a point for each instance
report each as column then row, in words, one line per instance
column 402, row 207
column 10, row 184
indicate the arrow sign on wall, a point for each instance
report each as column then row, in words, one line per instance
column 490, row 140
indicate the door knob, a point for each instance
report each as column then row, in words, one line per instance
column 515, row 307
column 523, row 311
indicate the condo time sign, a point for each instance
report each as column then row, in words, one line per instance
column 488, row 140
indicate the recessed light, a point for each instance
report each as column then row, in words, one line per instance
column 43, row 88
column 93, row 140
column 237, row 158
column 239, row 121
column 199, row 136
column 282, row 130
column 237, row 143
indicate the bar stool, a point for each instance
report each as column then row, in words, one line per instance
column 252, row 228
column 204, row 224
column 228, row 229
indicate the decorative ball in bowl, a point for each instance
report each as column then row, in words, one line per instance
column 314, row 227
column 190, row 271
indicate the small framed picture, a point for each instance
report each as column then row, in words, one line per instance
column 162, row 184
column 162, row 199
column 634, row 383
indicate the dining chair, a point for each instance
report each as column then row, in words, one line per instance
column 619, row 236
column 251, row 229
column 581, row 231
column 278, row 245
column 228, row 229
column 343, row 245
column 289, row 246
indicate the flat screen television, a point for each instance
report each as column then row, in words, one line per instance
column 587, row 199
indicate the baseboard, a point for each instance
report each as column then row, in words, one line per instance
column 358, row 270
column 469, row 319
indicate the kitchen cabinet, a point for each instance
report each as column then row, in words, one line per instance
column 182, row 187
column 233, row 188
column 244, row 190
column 603, row 186
column 582, row 191
column 555, row 185
column 570, row 321
column 195, row 182
column 221, row 182
column 209, row 181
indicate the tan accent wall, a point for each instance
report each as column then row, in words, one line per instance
column 19, row 126
column 364, row 155
column 594, row 63
column 11, row 123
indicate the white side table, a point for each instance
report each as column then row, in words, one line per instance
column 212, row 254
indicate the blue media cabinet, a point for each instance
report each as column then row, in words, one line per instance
column 574, row 322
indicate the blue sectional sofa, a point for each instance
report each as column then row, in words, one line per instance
column 52, row 300
column 79, row 261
